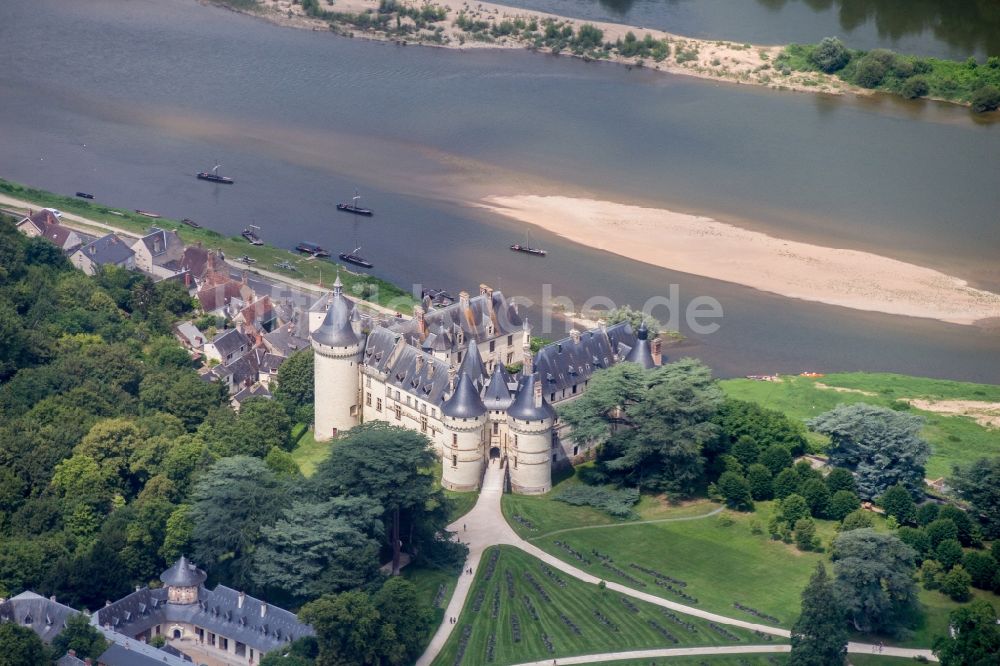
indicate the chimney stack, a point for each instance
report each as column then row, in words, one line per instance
column 575, row 335
column 263, row 609
column 538, row 394
column 528, row 366
column 657, row 350
column 418, row 314
column 241, row 599
column 463, row 299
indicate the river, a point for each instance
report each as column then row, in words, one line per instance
column 127, row 99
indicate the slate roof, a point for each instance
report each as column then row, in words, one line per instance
column 641, row 352
column 465, row 402
column 216, row 610
column 259, row 313
column 524, row 408
column 255, row 391
column 336, row 329
column 60, row 235
column 229, row 342
column 164, row 246
column 216, row 295
column 270, row 363
column 407, row 368
column 125, row 651
column 45, row 617
column 474, row 320
column 566, row 363
column 107, row 250
column 190, row 334
column 183, row 574
column 70, row 660
column 497, row 395
column 472, row 365
column 239, row 373
column 288, row 339
column 199, row 261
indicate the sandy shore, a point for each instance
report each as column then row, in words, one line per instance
column 710, row 248
column 711, row 59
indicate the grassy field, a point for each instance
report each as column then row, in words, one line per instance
column 308, row 453
column 603, row 622
column 953, row 439
column 308, row 270
column 434, row 588
column 743, row 660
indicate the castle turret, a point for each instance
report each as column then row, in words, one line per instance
column 183, row 580
column 464, row 419
column 641, row 353
column 337, row 377
column 530, row 420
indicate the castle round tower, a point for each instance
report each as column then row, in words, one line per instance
column 530, row 420
column 464, row 418
column 337, row 348
column 183, row 580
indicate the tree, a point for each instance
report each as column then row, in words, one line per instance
column 759, row 478
column 776, row 458
column 840, row 479
column 785, row 483
column 181, row 393
column 927, row 513
column 295, row 386
column 982, row 568
column 399, row 607
column 898, row 502
column 764, row 427
column 735, row 490
column 81, row 636
column 347, row 628
column 793, row 508
column 230, row 504
column 940, row 530
column 267, row 422
column 830, row 55
column 956, row 583
column 635, row 318
column 987, row 98
column 914, row 87
column 916, row 539
column 976, row 637
column 320, row 548
column 881, row 446
column 842, row 503
column 661, row 418
column 745, row 450
column 949, row 553
column 979, row 484
column 819, row 636
column 963, row 525
column 817, row 496
column 20, row 646
column 393, row 466
column 805, row 534
column 874, row 572
column 873, row 67
column 930, row 574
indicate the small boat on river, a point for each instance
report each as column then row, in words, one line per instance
column 147, row 213
column 353, row 257
column 214, row 177
column 85, row 195
column 191, row 223
column 517, row 247
column 251, row 234
column 353, row 207
column 311, row 248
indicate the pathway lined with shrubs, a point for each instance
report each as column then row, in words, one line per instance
column 485, row 526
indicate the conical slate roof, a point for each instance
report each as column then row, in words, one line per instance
column 497, row 394
column 464, row 403
column 183, row 574
column 336, row 329
column 524, row 408
column 641, row 352
column 473, row 366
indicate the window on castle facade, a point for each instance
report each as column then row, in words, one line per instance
column 368, row 382
column 493, row 346
column 496, row 428
column 510, row 357
column 396, row 395
column 574, row 389
column 399, row 413
column 368, row 398
column 423, row 424
column 510, row 340
column 454, row 439
column 378, row 404
column 454, row 461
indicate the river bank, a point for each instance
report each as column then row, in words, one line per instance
column 459, row 24
column 703, row 246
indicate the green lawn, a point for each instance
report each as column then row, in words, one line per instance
column 434, row 588
column 711, row 660
column 308, row 453
column 490, row 609
column 953, row 439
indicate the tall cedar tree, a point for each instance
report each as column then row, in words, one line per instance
column 874, row 572
column 394, row 467
column 819, row 637
column 650, row 425
column 883, row 447
column 979, row 484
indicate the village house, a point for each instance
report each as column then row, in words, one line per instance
column 159, row 253
column 108, row 250
column 46, row 225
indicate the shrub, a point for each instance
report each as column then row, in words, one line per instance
column 793, row 508
column 982, row 567
column 805, row 534
column 786, row 483
column 759, row 478
column 735, row 490
column 915, row 87
column 840, row 479
column 963, row 524
column 615, row 501
column 817, row 496
column 830, row 55
column 956, row 583
column 872, row 67
column 987, row 98
column 856, row 520
column 940, row 530
column 927, row 513
column 915, row 538
column 775, row 458
column 948, row 553
column 842, row 503
column 898, row 502
column 930, row 574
